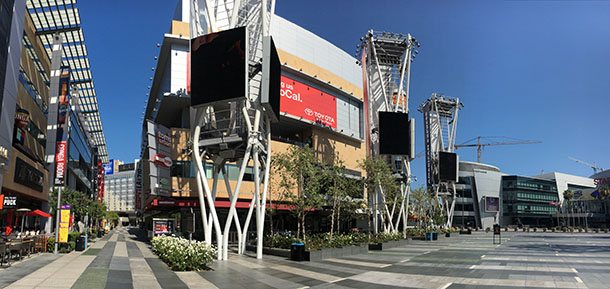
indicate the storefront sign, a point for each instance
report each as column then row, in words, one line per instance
column 159, row 157
column 301, row 100
column 27, row 175
column 60, row 162
column 22, row 118
column 601, row 181
column 164, row 139
column 8, row 202
column 162, row 160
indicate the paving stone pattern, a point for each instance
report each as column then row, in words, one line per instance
column 525, row 260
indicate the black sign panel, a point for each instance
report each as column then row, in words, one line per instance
column 127, row 167
column 272, row 67
column 394, row 133
column 448, row 166
column 28, row 176
column 9, row 202
column 218, row 66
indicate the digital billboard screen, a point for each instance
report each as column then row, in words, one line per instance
column 492, row 204
column 394, row 133
column 272, row 67
column 448, row 166
column 218, row 67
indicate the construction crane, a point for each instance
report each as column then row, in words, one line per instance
column 595, row 168
column 480, row 145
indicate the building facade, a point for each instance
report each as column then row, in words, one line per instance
column 321, row 106
column 12, row 15
column 487, row 196
column 477, row 183
column 119, row 189
column 28, row 30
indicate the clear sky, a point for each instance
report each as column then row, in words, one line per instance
column 523, row 69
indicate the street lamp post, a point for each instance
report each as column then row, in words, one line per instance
column 57, row 217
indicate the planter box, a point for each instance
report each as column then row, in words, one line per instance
column 315, row 255
column 387, row 245
column 327, row 253
column 271, row 251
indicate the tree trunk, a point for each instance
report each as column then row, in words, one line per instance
column 303, row 225
column 332, row 217
column 338, row 218
column 298, row 219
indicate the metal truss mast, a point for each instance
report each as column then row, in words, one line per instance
column 386, row 65
column 234, row 132
column 440, row 127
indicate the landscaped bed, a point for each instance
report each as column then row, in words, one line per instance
column 183, row 255
column 322, row 246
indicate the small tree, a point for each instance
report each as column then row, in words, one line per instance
column 79, row 202
column 300, row 178
column 336, row 190
column 568, row 195
column 379, row 177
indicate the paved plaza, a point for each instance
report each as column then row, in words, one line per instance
column 523, row 260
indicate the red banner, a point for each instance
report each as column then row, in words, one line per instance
column 301, row 100
column 100, row 181
column 60, row 162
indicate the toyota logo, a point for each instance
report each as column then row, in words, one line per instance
column 308, row 111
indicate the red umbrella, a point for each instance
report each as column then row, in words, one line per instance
column 38, row 213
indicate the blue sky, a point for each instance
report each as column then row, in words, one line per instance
column 523, row 69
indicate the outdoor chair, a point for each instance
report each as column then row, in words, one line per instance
column 41, row 243
column 14, row 248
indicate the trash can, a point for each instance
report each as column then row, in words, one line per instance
column 80, row 243
column 297, row 252
column 429, row 236
column 100, row 233
column 434, row 236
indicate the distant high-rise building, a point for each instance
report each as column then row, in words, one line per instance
column 119, row 188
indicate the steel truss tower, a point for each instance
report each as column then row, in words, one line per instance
column 234, row 132
column 440, row 127
column 386, row 64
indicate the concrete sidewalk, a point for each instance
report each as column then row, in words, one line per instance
column 119, row 260
column 533, row 260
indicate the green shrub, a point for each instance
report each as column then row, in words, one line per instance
column 183, row 255
column 279, row 241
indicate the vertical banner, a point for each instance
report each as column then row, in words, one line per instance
column 61, row 152
column 63, row 113
column 64, row 223
column 100, row 181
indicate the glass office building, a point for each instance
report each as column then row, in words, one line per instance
column 529, row 201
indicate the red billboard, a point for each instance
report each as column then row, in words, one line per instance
column 60, row 162
column 301, row 100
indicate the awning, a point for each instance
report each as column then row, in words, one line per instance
column 37, row 213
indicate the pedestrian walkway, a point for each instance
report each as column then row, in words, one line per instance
column 123, row 259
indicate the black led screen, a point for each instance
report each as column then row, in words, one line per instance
column 448, row 166
column 394, row 133
column 271, row 65
column 218, row 67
